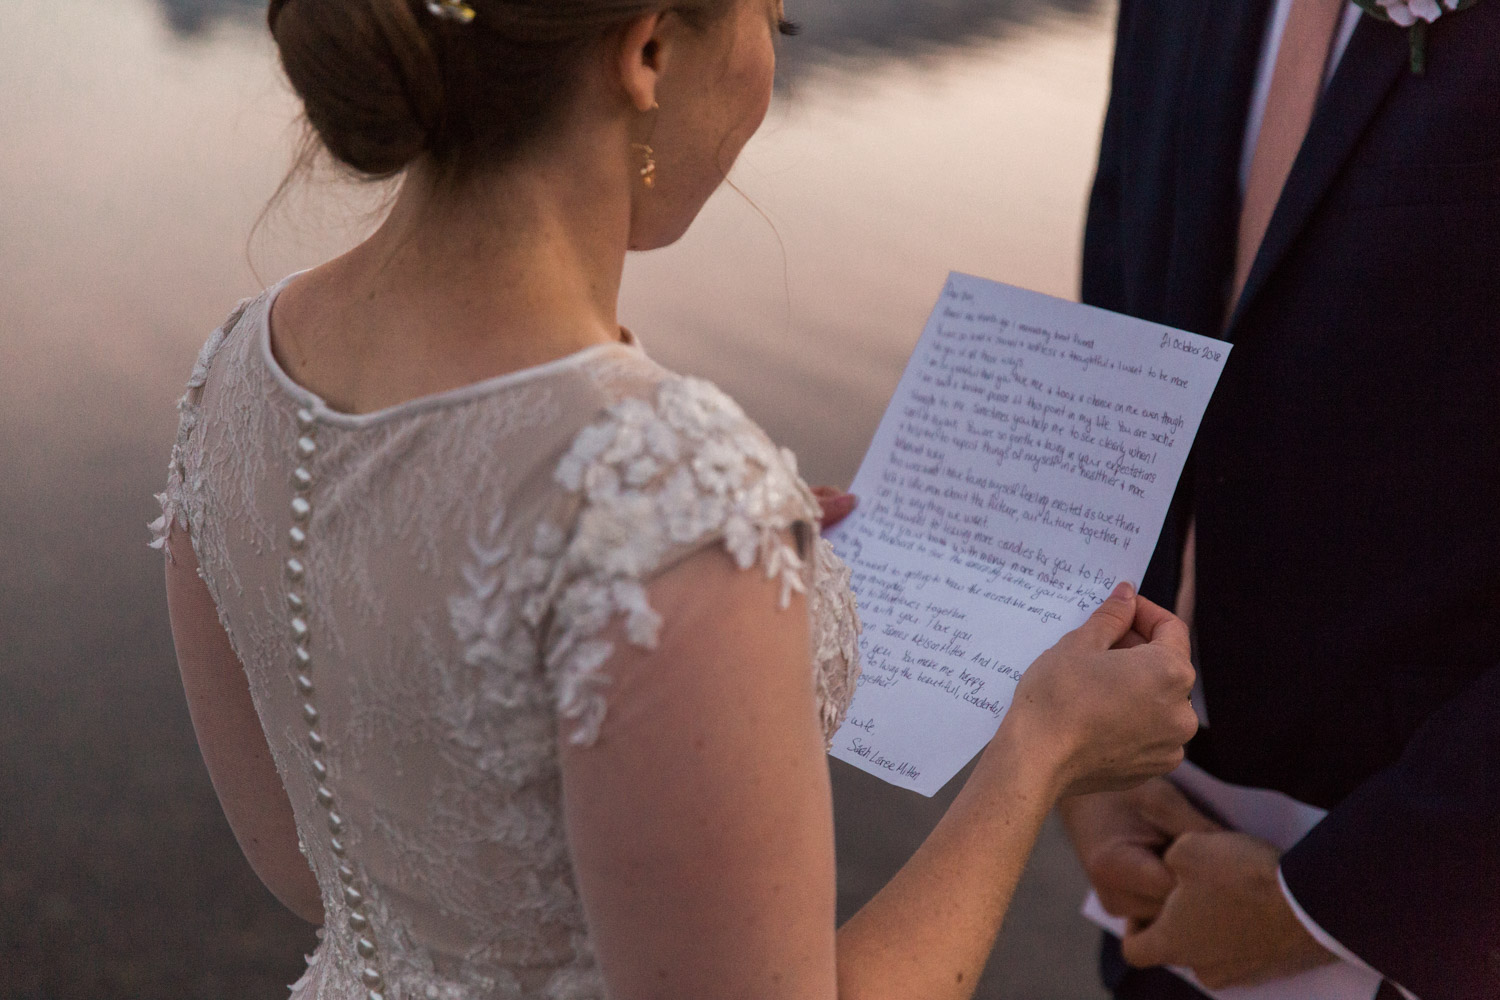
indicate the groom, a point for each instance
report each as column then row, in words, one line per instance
column 1275, row 173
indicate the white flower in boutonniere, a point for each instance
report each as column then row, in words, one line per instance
column 1415, row 16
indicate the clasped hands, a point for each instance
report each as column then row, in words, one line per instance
column 1194, row 894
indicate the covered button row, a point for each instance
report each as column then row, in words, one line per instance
column 296, row 601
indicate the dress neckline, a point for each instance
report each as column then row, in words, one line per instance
column 417, row 404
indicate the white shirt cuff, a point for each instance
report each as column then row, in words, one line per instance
column 1328, row 940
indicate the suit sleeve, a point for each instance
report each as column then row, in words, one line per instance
column 1405, row 873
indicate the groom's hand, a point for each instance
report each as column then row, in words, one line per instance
column 1225, row 917
column 1120, row 838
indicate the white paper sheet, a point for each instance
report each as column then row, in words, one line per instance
column 1023, row 467
column 1282, row 821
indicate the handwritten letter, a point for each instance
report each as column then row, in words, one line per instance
column 1023, row 467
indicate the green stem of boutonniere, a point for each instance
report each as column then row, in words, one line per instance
column 1419, row 30
column 1418, row 33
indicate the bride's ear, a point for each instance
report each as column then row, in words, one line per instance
column 644, row 48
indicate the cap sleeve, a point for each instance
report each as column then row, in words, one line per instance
column 181, row 505
column 652, row 481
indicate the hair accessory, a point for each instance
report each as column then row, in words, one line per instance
column 451, row 10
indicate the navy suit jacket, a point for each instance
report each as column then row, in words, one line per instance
column 1346, row 480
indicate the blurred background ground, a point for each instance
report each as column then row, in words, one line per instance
column 141, row 140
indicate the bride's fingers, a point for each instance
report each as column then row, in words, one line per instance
column 1159, row 625
column 835, row 504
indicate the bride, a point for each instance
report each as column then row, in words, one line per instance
column 512, row 655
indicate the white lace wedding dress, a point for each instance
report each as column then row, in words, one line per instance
column 418, row 597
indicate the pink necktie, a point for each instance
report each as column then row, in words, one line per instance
column 1296, row 85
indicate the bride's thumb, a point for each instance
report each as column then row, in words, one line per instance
column 1110, row 621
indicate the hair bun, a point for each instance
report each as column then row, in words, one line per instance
column 386, row 82
column 367, row 76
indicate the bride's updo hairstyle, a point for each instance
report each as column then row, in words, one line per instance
column 387, row 82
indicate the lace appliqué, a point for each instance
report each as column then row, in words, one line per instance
column 181, row 502
column 657, row 482
column 836, row 628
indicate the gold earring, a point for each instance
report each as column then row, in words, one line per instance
column 648, row 168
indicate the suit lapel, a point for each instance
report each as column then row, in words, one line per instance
column 1210, row 140
column 1377, row 56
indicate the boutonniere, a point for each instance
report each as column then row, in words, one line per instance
column 1414, row 16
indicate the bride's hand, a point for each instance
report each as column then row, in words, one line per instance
column 1109, row 718
column 835, row 503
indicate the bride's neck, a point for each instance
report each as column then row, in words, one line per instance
column 458, row 285
column 534, row 252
